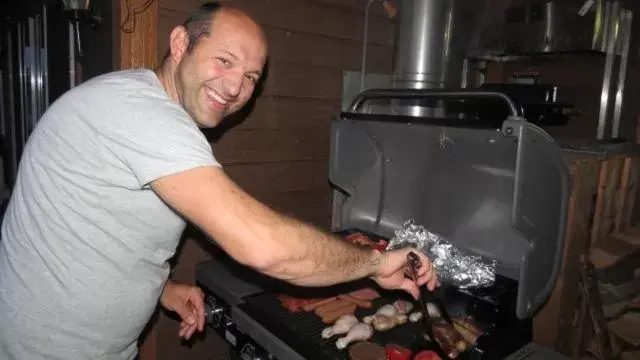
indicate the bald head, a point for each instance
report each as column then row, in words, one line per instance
column 202, row 22
column 215, row 60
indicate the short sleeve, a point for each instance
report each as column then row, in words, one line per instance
column 154, row 137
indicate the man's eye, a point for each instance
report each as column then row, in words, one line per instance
column 252, row 79
column 224, row 61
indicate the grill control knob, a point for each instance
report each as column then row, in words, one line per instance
column 213, row 312
column 250, row 352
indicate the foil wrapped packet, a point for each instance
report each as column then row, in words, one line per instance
column 453, row 266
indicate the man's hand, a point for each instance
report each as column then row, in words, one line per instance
column 188, row 302
column 393, row 272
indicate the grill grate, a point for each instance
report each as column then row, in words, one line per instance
column 302, row 330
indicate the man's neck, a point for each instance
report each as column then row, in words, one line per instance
column 165, row 74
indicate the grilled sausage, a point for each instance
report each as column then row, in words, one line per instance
column 316, row 304
column 359, row 302
column 329, row 307
column 365, row 294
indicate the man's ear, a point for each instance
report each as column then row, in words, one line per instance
column 178, row 43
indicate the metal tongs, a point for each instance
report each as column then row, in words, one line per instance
column 443, row 320
column 414, row 263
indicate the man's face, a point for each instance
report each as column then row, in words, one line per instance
column 219, row 75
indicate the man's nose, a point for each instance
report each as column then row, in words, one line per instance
column 233, row 84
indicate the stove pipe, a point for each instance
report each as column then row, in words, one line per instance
column 430, row 47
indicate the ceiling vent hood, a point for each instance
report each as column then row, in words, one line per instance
column 546, row 27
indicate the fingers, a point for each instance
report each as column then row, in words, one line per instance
column 426, row 273
column 411, row 287
column 186, row 330
column 196, row 297
column 192, row 313
column 185, row 311
column 396, row 273
column 429, row 278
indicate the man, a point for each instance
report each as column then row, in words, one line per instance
column 106, row 182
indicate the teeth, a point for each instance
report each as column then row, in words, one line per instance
column 215, row 97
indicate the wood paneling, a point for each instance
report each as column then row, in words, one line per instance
column 137, row 46
column 257, row 146
column 284, row 176
column 303, row 81
column 306, row 205
column 310, row 16
column 314, row 49
column 290, row 112
column 324, row 51
column 138, row 34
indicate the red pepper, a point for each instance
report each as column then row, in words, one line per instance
column 397, row 352
column 427, row 355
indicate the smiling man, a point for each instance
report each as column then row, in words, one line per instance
column 107, row 181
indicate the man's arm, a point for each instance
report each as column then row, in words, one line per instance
column 257, row 236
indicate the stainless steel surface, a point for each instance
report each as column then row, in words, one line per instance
column 13, row 117
column 430, row 93
column 626, row 25
column 45, row 57
column 526, row 26
column 72, row 57
column 604, row 34
column 23, row 90
column 3, row 115
column 213, row 312
column 76, row 4
column 33, row 75
column 26, row 86
column 612, row 39
column 464, row 82
column 365, row 41
column 40, row 105
column 352, row 86
column 30, row 62
column 432, row 39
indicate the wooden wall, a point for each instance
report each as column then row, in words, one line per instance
column 279, row 153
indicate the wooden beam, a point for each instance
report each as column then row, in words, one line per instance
column 137, row 46
column 137, row 34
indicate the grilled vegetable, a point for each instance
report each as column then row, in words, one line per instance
column 397, row 352
column 427, row 355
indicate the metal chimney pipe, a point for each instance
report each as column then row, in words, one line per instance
column 430, row 47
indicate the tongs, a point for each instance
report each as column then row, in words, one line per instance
column 447, row 337
column 414, row 263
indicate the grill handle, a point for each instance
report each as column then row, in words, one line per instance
column 431, row 93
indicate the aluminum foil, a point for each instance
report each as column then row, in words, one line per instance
column 453, row 265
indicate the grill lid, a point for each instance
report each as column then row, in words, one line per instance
column 500, row 193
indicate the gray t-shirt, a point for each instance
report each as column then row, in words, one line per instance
column 85, row 240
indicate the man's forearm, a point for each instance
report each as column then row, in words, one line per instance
column 257, row 236
column 312, row 257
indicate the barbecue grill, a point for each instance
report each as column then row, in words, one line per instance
column 497, row 192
